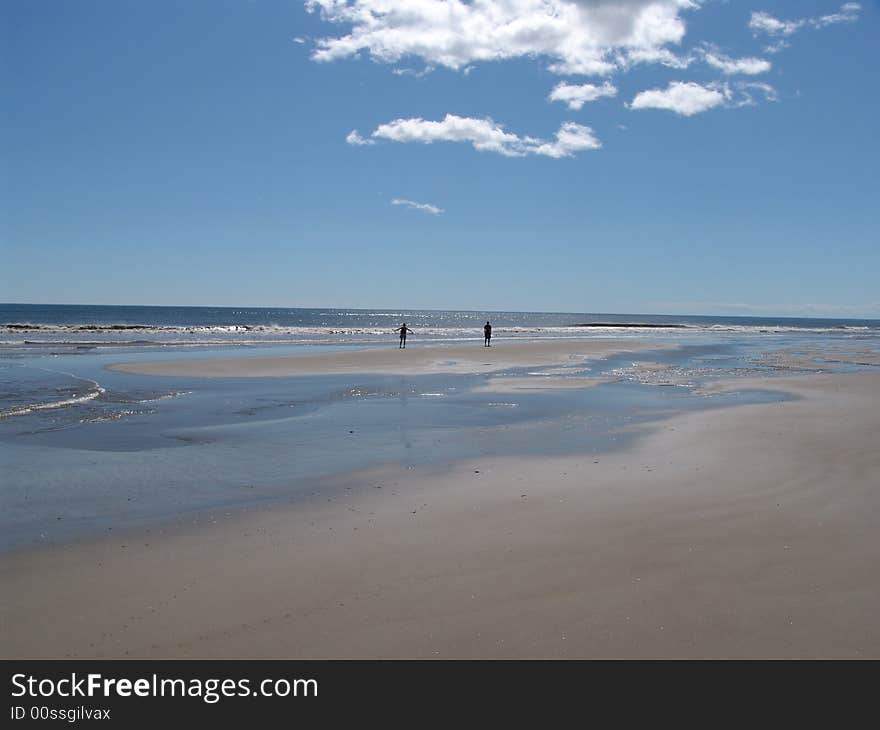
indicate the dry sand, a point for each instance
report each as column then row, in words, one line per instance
column 390, row 360
column 751, row 531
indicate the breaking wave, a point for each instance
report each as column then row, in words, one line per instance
column 94, row 390
column 70, row 336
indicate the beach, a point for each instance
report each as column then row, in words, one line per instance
column 433, row 330
column 744, row 531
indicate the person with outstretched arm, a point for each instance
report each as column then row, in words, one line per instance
column 487, row 335
column 403, row 329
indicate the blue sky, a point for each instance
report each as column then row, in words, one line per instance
column 724, row 159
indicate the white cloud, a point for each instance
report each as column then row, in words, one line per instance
column 484, row 135
column 708, row 53
column 424, row 207
column 577, row 95
column 570, row 138
column 749, row 66
column 849, row 13
column 743, row 94
column 663, row 56
column 685, row 98
column 412, row 72
column 299, row 40
column 777, row 46
column 593, row 37
column 354, row 137
column 577, row 37
column 688, row 98
column 762, row 22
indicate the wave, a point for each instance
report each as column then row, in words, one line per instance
column 118, row 415
column 333, row 329
column 139, row 398
column 96, row 391
column 29, row 327
column 631, row 325
column 70, row 336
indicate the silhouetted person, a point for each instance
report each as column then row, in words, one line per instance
column 403, row 329
column 487, row 334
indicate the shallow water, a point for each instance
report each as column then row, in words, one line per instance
column 85, row 449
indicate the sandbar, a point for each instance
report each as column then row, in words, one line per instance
column 453, row 359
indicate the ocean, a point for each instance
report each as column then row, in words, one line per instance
column 85, row 449
column 101, row 326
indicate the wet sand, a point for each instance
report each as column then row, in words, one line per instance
column 542, row 383
column 747, row 532
column 415, row 360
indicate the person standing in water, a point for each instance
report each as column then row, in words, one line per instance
column 487, row 334
column 403, row 329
